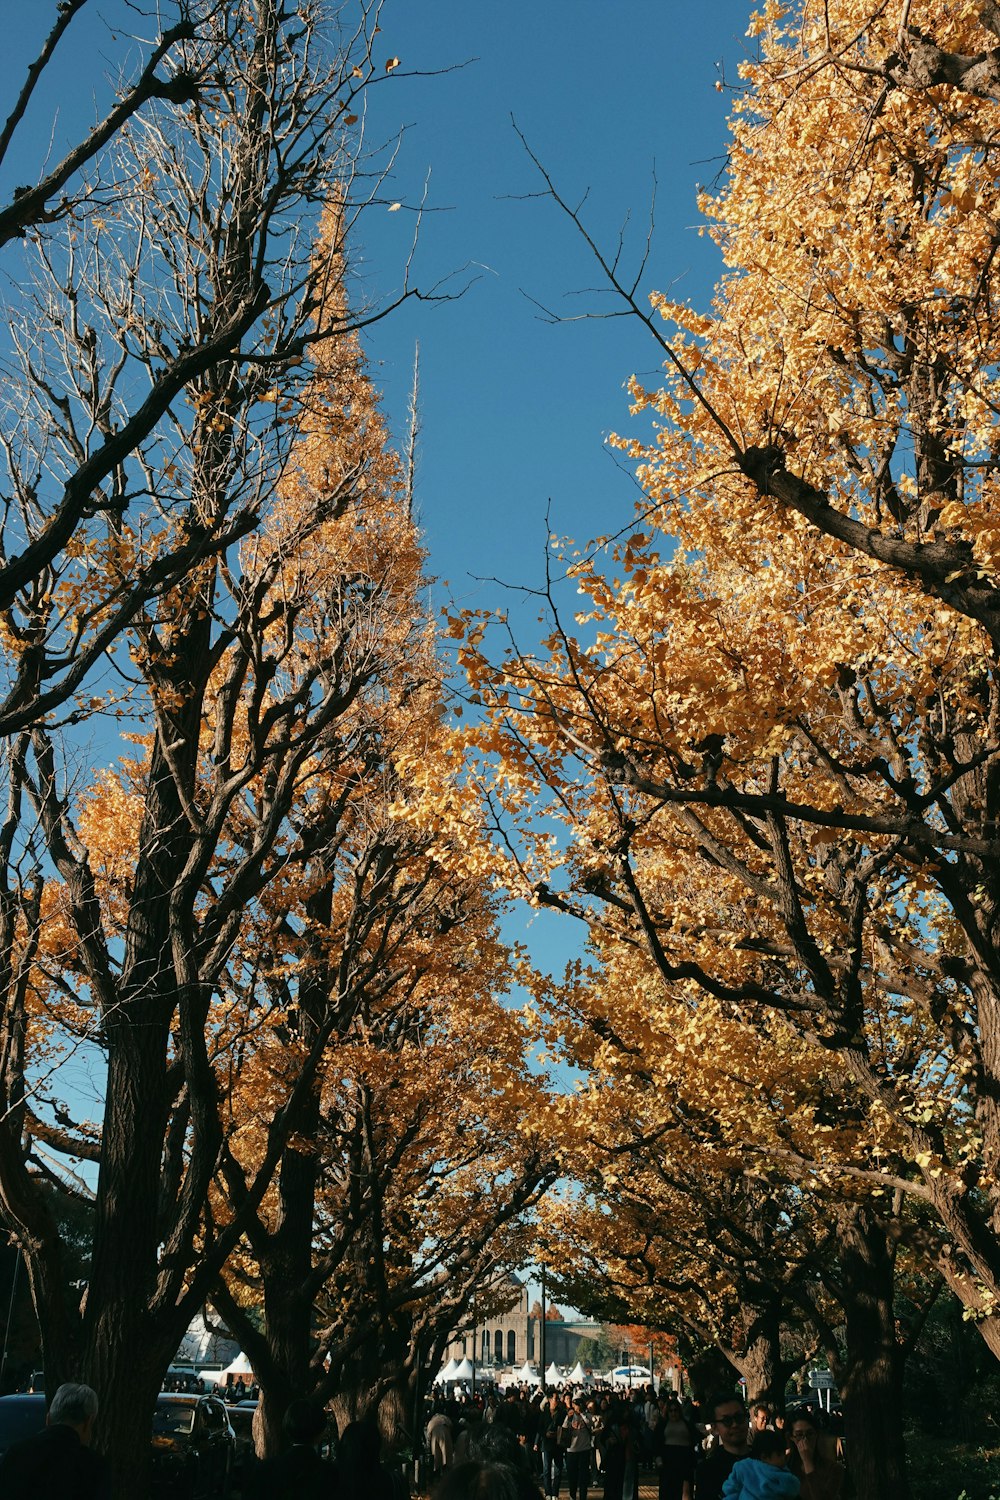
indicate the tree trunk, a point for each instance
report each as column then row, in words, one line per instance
column 758, row 1357
column 127, row 1395
column 124, row 1360
column 871, row 1373
column 358, row 1393
column 44, row 1272
column 287, row 1271
column 127, row 1347
column 282, row 1353
column 710, row 1371
column 275, row 1397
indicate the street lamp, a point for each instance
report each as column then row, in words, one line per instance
column 542, row 1366
column 10, row 1312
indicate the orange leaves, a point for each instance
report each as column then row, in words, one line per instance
column 757, row 744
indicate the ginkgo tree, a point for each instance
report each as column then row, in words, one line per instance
column 158, row 261
column 687, row 1211
column 260, row 689
column 773, row 734
column 414, row 1157
column 427, row 1157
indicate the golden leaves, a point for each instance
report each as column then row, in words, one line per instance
column 749, row 744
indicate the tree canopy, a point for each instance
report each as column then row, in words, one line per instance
column 770, row 733
column 766, row 742
column 240, row 859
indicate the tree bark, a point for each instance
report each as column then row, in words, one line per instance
column 758, row 1359
column 287, row 1300
column 871, row 1372
column 127, row 1348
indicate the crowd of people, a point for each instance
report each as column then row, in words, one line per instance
column 602, row 1437
column 521, row 1445
column 232, row 1390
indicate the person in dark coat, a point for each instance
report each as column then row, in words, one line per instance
column 482, row 1479
column 676, row 1446
column 616, row 1449
column 59, row 1460
column 730, row 1424
column 547, row 1442
column 361, row 1474
column 299, row 1473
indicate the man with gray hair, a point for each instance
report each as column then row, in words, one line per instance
column 59, row 1461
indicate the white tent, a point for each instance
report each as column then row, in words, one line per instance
column 527, row 1375
column 578, row 1375
column 464, row 1371
column 448, row 1373
column 240, row 1369
column 553, row 1374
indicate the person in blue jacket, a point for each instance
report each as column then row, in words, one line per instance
column 763, row 1475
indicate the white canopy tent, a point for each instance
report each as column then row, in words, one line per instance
column 464, row 1371
column 240, row 1369
column 448, row 1373
column 578, row 1375
column 553, row 1375
column 527, row 1374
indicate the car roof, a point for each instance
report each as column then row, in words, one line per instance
column 21, row 1416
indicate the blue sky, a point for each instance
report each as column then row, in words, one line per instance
column 515, row 411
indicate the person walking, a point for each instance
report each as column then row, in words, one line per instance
column 361, row 1474
column 549, row 1424
column 440, row 1436
column 676, row 1445
column 616, row 1449
column 59, row 1461
column 578, row 1444
column 299, row 1473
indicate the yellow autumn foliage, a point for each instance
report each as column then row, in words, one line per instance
column 774, row 730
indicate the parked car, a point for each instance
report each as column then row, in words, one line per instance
column 629, row 1375
column 193, row 1442
column 20, row 1417
column 193, row 1447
